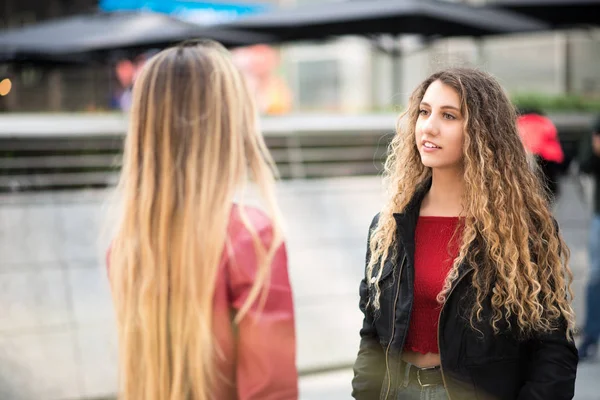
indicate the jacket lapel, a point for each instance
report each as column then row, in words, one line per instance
column 406, row 222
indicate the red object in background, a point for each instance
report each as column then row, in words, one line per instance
column 125, row 73
column 259, row 65
column 540, row 137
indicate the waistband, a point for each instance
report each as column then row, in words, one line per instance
column 423, row 377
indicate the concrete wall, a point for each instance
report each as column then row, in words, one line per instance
column 56, row 326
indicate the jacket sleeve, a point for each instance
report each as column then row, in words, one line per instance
column 552, row 368
column 553, row 365
column 266, row 348
column 369, row 367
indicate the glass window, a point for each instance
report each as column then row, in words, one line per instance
column 318, row 84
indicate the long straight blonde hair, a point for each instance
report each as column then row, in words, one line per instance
column 193, row 141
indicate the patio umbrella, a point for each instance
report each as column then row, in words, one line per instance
column 376, row 17
column 94, row 36
column 558, row 13
column 424, row 17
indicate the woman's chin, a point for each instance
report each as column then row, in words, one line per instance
column 430, row 162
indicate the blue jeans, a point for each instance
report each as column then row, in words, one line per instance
column 413, row 391
column 592, row 303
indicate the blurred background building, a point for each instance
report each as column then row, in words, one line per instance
column 93, row 86
column 348, row 74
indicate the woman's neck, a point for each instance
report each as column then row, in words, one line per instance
column 445, row 195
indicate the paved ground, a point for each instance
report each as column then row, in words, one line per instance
column 56, row 306
column 336, row 385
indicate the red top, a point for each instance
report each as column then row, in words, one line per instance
column 257, row 359
column 434, row 256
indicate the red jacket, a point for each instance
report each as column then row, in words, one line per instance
column 257, row 358
column 259, row 353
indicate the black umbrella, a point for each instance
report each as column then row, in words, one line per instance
column 90, row 37
column 558, row 13
column 370, row 18
column 425, row 17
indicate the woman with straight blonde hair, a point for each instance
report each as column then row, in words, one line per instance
column 466, row 293
column 200, row 284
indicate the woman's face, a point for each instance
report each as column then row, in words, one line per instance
column 439, row 131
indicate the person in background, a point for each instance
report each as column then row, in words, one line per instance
column 540, row 138
column 589, row 163
column 466, row 293
column 200, row 283
column 259, row 65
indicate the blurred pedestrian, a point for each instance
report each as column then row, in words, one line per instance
column 589, row 163
column 466, row 288
column 259, row 65
column 540, row 138
column 200, row 284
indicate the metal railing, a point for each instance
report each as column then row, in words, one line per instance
column 58, row 152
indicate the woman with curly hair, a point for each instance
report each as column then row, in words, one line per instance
column 466, row 292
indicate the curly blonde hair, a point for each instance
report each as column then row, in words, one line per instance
column 509, row 238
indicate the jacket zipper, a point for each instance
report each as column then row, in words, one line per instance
column 460, row 278
column 387, row 350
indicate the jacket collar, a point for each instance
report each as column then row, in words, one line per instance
column 406, row 222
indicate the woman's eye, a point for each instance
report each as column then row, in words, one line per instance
column 449, row 116
column 423, row 112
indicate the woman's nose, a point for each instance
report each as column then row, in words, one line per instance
column 430, row 126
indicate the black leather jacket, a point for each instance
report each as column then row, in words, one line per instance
column 475, row 365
